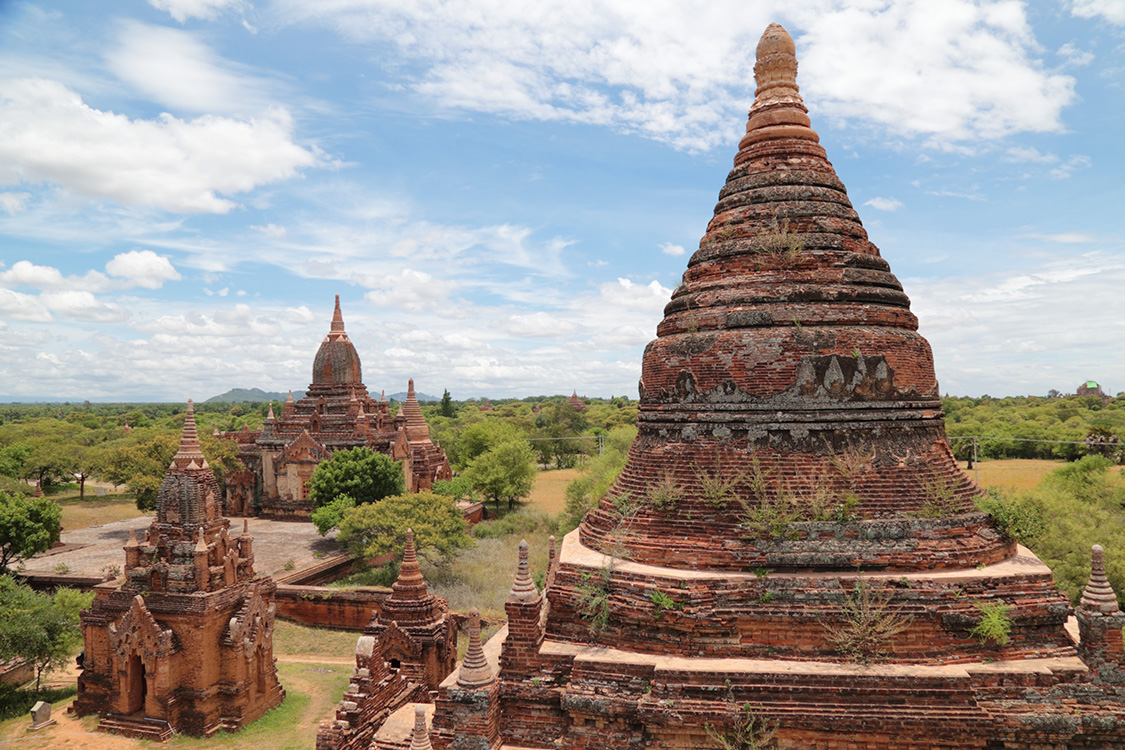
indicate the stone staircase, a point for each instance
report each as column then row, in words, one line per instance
column 156, row 730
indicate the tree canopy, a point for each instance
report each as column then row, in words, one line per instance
column 41, row 628
column 28, row 526
column 504, row 472
column 360, row 473
column 379, row 529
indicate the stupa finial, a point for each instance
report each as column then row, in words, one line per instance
column 523, row 589
column 337, row 318
column 419, row 736
column 1098, row 595
column 475, row 671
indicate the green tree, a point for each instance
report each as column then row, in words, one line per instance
column 28, row 526
column 40, row 628
column 328, row 516
column 560, row 424
column 480, row 437
column 360, row 473
column 504, row 472
column 602, row 471
column 379, row 529
column 446, row 404
column 13, row 460
column 140, row 465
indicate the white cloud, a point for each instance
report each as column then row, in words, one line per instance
column 538, row 324
column 83, row 306
column 884, row 204
column 174, row 68
column 954, row 71
column 1074, row 56
column 1067, row 168
column 1111, row 10
column 410, row 290
column 1029, row 154
column 182, row 10
column 670, row 249
column 48, row 134
column 143, row 268
column 679, row 72
column 13, row 203
column 300, row 315
column 17, row 306
column 1066, row 238
column 651, row 297
column 1051, row 315
column 270, row 230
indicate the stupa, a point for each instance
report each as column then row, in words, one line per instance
column 791, row 557
column 184, row 643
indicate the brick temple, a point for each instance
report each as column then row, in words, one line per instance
column 791, row 552
column 336, row 413
column 404, row 654
column 185, row 643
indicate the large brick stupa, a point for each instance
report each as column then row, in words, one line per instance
column 791, row 552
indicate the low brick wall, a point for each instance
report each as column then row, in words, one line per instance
column 327, row 607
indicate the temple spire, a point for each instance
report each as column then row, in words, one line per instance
column 189, row 451
column 410, row 583
column 475, row 671
column 337, row 318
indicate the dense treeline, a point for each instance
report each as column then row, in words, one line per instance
column 1001, row 420
column 71, row 442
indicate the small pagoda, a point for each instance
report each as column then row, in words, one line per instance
column 185, row 643
column 791, row 557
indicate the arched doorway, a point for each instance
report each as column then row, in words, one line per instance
column 136, row 686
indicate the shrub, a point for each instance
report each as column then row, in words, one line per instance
column 994, row 624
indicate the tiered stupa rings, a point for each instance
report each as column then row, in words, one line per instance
column 788, row 382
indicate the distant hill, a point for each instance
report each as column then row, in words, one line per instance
column 401, row 396
column 251, row 394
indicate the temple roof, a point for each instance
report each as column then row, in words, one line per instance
column 417, row 431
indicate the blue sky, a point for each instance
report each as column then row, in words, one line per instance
column 505, row 194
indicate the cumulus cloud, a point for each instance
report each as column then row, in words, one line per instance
column 682, row 73
column 409, row 290
column 884, row 204
column 174, row 68
column 1111, row 10
column 182, row 10
column 48, row 134
column 651, row 297
column 83, row 306
column 19, row 306
column 143, row 268
column 670, row 249
column 538, row 324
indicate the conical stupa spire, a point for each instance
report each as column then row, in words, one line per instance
column 189, row 452
column 270, row 417
column 475, row 671
column 523, row 588
column 337, row 318
column 789, row 350
column 416, row 428
column 410, row 583
column 420, row 736
column 1098, row 595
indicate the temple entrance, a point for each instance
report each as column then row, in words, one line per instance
column 136, row 686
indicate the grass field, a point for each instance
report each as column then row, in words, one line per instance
column 549, row 492
column 1012, row 473
column 78, row 514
